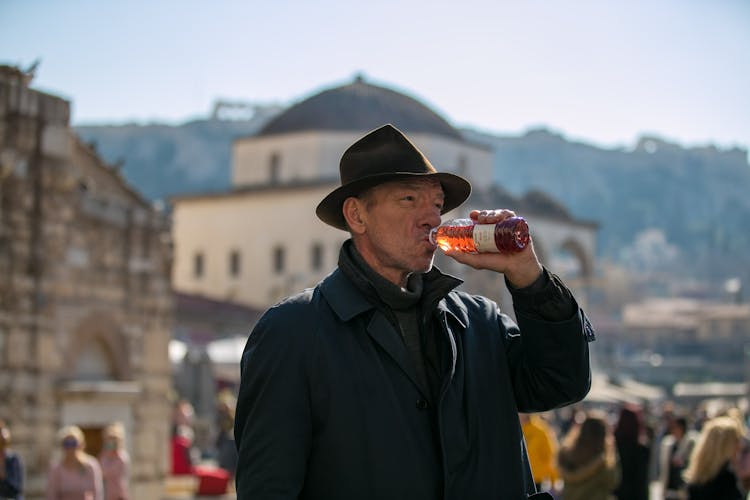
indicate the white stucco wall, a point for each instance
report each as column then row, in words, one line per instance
column 313, row 155
column 302, row 156
column 252, row 224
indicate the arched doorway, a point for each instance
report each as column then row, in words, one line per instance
column 96, row 386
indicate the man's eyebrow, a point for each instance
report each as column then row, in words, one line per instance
column 415, row 184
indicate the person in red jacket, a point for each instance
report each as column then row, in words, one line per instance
column 182, row 443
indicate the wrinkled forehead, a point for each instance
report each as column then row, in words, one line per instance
column 420, row 183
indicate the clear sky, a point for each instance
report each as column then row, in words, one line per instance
column 600, row 71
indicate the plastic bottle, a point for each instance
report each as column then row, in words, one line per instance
column 508, row 236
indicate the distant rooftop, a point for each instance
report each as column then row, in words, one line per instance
column 681, row 313
column 360, row 106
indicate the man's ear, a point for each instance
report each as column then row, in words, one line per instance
column 353, row 210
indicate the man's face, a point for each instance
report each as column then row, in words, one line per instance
column 396, row 221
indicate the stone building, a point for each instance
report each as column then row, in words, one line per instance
column 672, row 341
column 85, row 301
column 261, row 240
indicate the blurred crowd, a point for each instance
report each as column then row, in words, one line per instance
column 621, row 452
column 205, row 450
column 75, row 474
column 633, row 452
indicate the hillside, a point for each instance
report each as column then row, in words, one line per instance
column 698, row 197
column 661, row 206
column 164, row 160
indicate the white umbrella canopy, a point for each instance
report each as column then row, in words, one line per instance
column 225, row 355
column 606, row 393
column 646, row 392
column 228, row 350
column 629, row 391
column 177, row 351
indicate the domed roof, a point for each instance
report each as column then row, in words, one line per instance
column 359, row 106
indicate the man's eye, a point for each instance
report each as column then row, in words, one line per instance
column 408, row 197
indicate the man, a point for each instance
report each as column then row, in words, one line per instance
column 385, row 383
column 675, row 451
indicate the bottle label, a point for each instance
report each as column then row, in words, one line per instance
column 484, row 238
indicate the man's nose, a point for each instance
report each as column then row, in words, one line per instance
column 432, row 216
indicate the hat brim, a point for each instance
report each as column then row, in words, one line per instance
column 456, row 190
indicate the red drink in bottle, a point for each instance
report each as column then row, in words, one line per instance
column 508, row 236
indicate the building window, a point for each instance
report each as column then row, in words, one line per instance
column 279, row 255
column 198, row 265
column 274, row 166
column 235, row 263
column 316, row 257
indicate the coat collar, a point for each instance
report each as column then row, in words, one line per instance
column 346, row 300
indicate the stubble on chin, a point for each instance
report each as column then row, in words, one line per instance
column 428, row 267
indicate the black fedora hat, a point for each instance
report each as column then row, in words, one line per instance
column 382, row 155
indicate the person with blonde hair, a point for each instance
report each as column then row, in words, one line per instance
column 77, row 475
column 710, row 473
column 115, row 463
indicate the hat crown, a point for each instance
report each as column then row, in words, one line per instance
column 384, row 155
column 385, row 150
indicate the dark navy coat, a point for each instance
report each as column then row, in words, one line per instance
column 328, row 406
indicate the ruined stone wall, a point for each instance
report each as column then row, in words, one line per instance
column 85, row 303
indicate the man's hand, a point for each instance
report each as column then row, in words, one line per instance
column 521, row 269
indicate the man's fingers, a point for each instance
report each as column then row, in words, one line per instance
column 491, row 216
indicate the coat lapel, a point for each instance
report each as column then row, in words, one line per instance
column 348, row 302
column 383, row 333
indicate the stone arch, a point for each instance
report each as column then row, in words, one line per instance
column 578, row 250
column 100, row 333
